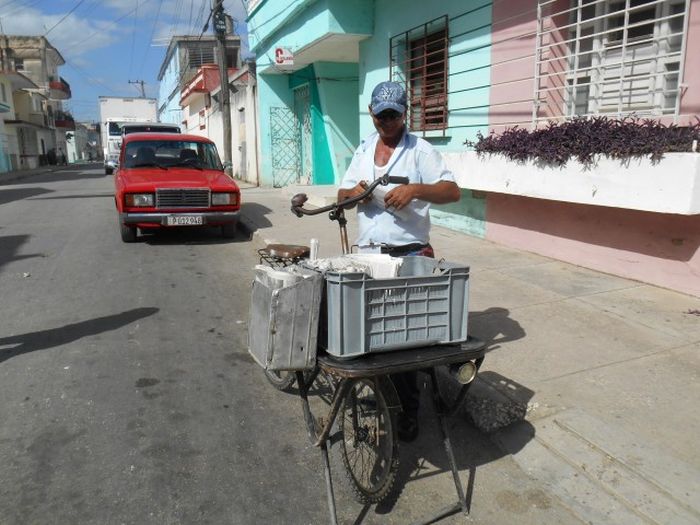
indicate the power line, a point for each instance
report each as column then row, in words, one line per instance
column 76, row 6
column 153, row 32
column 101, row 30
column 133, row 37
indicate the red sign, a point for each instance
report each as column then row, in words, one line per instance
column 283, row 57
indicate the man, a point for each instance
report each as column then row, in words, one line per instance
column 400, row 221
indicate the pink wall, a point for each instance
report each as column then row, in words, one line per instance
column 514, row 24
column 690, row 101
column 657, row 248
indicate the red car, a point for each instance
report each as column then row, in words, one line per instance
column 166, row 180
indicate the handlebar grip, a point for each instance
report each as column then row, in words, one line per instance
column 297, row 203
column 397, row 180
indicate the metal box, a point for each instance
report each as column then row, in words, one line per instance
column 283, row 325
column 426, row 304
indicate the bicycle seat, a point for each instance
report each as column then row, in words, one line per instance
column 287, row 251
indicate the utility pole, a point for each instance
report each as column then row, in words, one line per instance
column 140, row 83
column 219, row 18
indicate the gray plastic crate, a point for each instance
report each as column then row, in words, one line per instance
column 426, row 304
column 283, row 325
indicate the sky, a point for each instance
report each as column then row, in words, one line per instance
column 107, row 43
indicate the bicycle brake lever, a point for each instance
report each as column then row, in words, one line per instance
column 297, row 202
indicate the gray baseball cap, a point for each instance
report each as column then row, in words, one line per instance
column 388, row 95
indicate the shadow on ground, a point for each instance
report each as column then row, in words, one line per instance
column 179, row 236
column 10, row 245
column 255, row 215
column 20, row 194
column 45, row 339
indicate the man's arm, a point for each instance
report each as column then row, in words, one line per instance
column 439, row 193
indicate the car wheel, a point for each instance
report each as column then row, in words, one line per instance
column 228, row 230
column 128, row 232
column 109, row 171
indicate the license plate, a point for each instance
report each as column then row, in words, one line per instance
column 184, row 220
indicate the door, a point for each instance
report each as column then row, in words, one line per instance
column 302, row 110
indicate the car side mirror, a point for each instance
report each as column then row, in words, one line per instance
column 228, row 165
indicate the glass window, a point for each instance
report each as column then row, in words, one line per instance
column 419, row 61
column 171, row 154
column 623, row 58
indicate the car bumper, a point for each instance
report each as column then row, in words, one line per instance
column 160, row 219
column 110, row 164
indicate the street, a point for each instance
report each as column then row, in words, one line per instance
column 128, row 395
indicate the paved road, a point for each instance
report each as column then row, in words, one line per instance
column 127, row 395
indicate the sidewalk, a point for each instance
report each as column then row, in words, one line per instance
column 591, row 381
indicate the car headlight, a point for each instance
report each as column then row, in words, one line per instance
column 139, row 199
column 224, row 199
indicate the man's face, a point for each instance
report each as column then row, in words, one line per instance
column 388, row 123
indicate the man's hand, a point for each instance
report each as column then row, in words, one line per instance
column 400, row 196
column 439, row 193
column 358, row 189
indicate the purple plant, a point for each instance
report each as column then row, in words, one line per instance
column 583, row 138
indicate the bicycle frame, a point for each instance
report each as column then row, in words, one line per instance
column 336, row 211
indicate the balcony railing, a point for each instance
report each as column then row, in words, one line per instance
column 59, row 89
column 64, row 120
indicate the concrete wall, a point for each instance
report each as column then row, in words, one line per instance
column 657, row 248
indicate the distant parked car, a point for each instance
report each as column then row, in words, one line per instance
column 165, row 180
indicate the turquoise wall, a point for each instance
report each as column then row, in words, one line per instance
column 469, row 62
column 273, row 91
column 334, row 124
column 171, row 111
column 338, row 91
column 298, row 23
column 468, row 86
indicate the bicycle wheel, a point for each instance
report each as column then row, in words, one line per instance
column 282, row 381
column 368, row 445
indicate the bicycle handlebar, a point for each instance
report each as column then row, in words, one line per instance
column 300, row 198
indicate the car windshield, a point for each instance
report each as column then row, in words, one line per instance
column 171, row 154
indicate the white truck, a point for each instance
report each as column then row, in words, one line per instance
column 116, row 111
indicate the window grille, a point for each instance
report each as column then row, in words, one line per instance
column 418, row 60
column 200, row 53
column 621, row 57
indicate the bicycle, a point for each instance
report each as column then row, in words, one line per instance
column 364, row 403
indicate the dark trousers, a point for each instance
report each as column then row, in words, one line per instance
column 406, row 383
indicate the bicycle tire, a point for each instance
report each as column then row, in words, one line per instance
column 282, row 381
column 367, row 443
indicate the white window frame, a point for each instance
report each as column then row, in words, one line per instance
column 585, row 88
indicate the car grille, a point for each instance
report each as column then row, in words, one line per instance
column 182, row 198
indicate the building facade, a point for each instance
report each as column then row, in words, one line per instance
column 474, row 66
column 183, row 59
column 36, row 128
column 201, row 107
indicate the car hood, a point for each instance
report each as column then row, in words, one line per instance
column 148, row 179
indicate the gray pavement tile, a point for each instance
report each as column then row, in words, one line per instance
column 653, row 398
column 493, row 289
column 657, row 308
column 479, row 253
column 547, row 341
column 568, row 280
column 603, row 472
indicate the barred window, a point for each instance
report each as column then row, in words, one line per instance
column 418, row 60
column 620, row 57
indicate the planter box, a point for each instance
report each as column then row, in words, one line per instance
column 669, row 186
